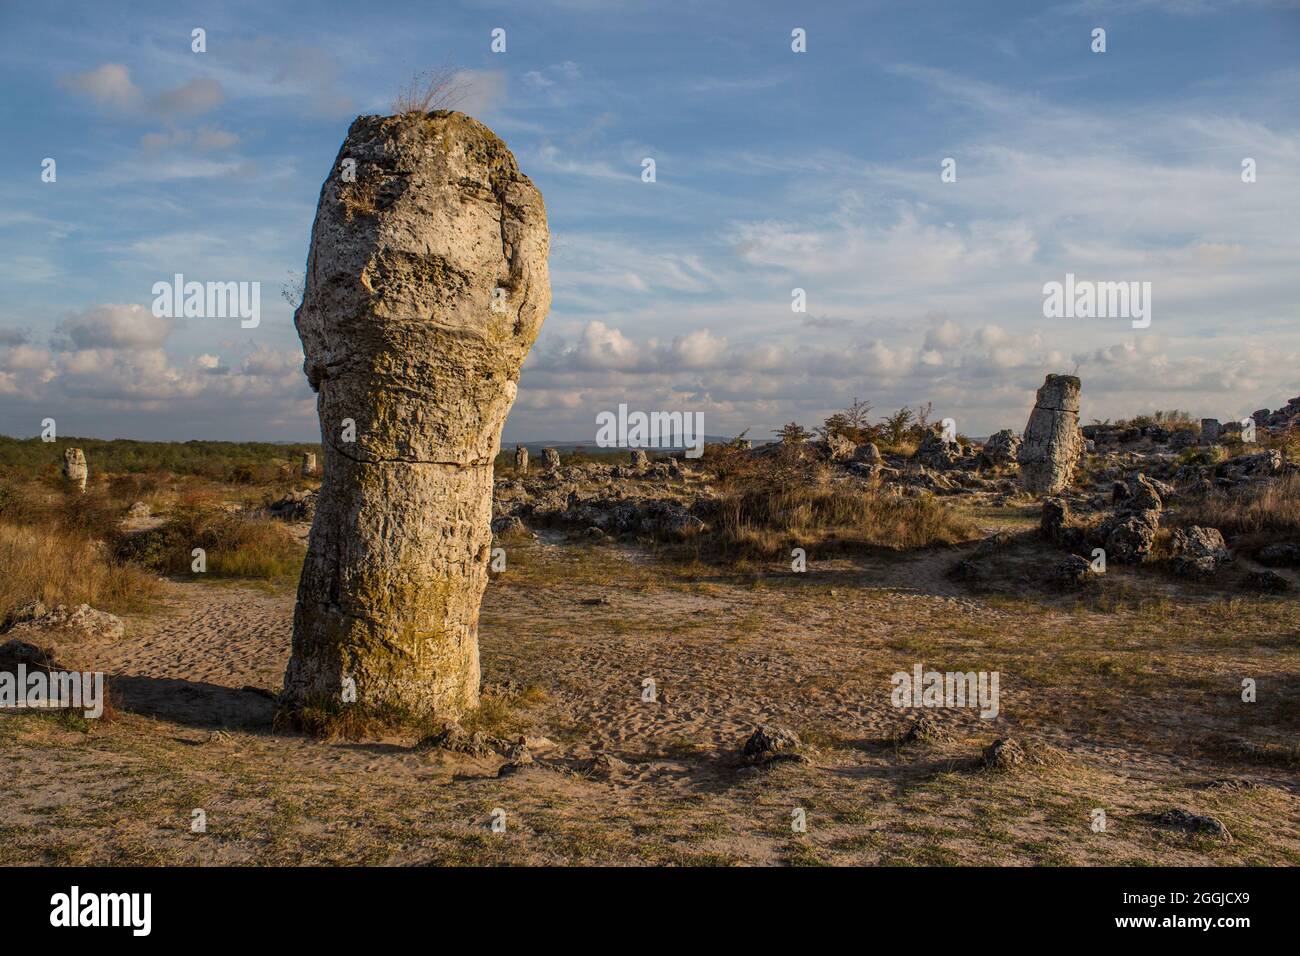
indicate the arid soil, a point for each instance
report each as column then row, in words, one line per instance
column 1128, row 701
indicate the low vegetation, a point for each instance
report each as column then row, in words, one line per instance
column 58, row 546
column 769, row 505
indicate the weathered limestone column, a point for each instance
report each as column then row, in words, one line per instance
column 74, row 468
column 1052, row 443
column 640, row 460
column 426, row 286
column 308, row 464
column 521, row 460
column 551, row 459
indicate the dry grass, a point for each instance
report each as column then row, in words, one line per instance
column 1267, row 509
column 837, row 517
column 431, row 90
column 790, row 499
column 236, row 545
column 59, row 566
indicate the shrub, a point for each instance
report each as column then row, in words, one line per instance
column 1269, row 508
column 236, row 545
column 58, row 566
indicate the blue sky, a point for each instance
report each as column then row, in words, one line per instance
column 775, row 170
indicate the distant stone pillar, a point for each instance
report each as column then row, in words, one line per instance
column 308, row 464
column 1210, row 431
column 521, row 460
column 1052, row 442
column 640, row 460
column 551, row 458
column 74, row 468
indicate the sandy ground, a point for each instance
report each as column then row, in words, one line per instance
column 1132, row 708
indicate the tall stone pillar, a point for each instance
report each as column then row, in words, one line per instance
column 426, row 286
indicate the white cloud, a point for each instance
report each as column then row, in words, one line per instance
column 109, row 84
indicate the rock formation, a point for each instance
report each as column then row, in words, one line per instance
column 1052, row 442
column 308, row 464
column 869, row 454
column 551, row 459
column 1001, row 448
column 74, row 468
column 521, row 460
column 426, row 286
column 935, row 451
column 640, row 460
column 1210, row 430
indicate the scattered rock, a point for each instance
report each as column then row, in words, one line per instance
column 82, row 624
column 768, row 743
column 295, row 506
column 1267, row 582
column 1004, row 755
column 1282, row 555
column 1199, row 552
column 868, row 454
column 924, row 730
column 551, row 460
column 603, row 765
column 1179, row 819
column 521, row 460
column 935, row 452
column 456, row 740
column 1001, row 448
column 30, row 611
column 1054, row 519
column 510, row 525
column 1075, row 571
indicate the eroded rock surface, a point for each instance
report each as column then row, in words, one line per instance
column 1052, row 442
column 426, row 286
column 74, row 468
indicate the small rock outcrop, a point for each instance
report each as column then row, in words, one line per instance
column 640, row 460
column 868, row 454
column 937, row 452
column 1178, row 818
column 1198, row 552
column 839, row 447
column 1052, row 442
column 81, row 624
column 768, row 743
column 551, row 459
column 521, row 460
column 308, row 464
column 426, row 287
column 1001, row 448
column 1004, row 755
column 74, row 468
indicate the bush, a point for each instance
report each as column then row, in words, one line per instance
column 235, row 544
column 771, row 503
column 58, row 566
column 1267, row 509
